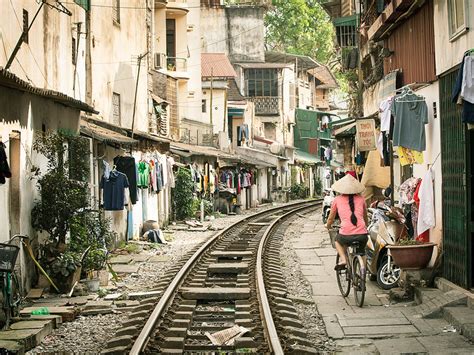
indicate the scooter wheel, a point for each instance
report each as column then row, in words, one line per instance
column 387, row 280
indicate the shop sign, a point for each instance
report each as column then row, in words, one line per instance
column 365, row 137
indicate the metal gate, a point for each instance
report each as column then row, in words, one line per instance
column 454, row 153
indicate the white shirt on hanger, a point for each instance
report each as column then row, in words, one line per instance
column 426, row 211
column 467, row 86
column 385, row 114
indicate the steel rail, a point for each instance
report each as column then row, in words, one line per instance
column 267, row 318
column 166, row 298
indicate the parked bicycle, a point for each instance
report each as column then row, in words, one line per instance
column 11, row 288
column 353, row 274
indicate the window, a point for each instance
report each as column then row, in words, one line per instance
column 25, row 26
column 116, row 109
column 204, row 106
column 457, row 17
column 262, row 82
column 73, row 50
column 116, row 11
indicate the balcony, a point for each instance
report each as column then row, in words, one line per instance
column 177, row 7
column 173, row 66
column 266, row 105
column 160, row 4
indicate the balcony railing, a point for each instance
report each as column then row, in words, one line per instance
column 266, row 105
column 176, row 64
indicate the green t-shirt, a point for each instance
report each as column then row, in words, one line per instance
column 409, row 125
column 143, row 175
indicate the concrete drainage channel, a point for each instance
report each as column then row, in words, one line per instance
column 229, row 296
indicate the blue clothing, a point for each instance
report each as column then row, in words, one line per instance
column 114, row 191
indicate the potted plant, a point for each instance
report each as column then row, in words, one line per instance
column 411, row 254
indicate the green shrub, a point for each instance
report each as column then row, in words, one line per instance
column 183, row 195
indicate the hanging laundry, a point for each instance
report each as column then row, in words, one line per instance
column 409, row 156
column 153, row 182
column 4, row 168
column 127, row 166
column 407, row 190
column 426, row 213
column 106, row 169
column 143, row 175
column 463, row 89
column 385, row 114
column 411, row 115
column 169, row 166
column 114, row 190
column 159, row 175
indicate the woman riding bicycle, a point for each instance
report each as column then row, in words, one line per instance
column 352, row 211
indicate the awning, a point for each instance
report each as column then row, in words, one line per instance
column 151, row 137
column 188, row 150
column 306, row 157
column 344, row 129
column 388, row 85
column 105, row 135
column 159, row 99
column 234, row 111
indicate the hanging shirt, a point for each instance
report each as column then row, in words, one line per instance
column 143, row 175
column 426, row 212
column 410, row 119
column 169, row 166
column 159, row 176
column 409, row 156
column 385, row 114
column 114, row 190
column 4, row 168
column 127, row 166
column 467, row 85
column 153, row 181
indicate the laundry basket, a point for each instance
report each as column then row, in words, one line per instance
column 8, row 255
column 332, row 235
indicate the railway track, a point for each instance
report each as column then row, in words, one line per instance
column 231, row 285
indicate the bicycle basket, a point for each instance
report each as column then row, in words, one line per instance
column 332, row 234
column 8, row 255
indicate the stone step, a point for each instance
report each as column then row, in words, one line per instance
column 462, row 318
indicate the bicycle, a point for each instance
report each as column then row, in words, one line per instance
column 11, row 288
column 354, row 273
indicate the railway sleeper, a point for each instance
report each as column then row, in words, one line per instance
column 174, row 342
column 288, row 314
column 301, row 350
column 299, row 332
column 294, row 340
column 283, row 307
column 176, row 332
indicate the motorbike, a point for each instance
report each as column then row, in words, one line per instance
column 387, row 225
column 329, row 196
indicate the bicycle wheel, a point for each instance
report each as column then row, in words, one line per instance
column 343, row 280
column 359, row 281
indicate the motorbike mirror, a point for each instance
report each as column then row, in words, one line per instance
column 387, row 192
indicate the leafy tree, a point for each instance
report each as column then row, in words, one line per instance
column 183, row 194
column 300, row 27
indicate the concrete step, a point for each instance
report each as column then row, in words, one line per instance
column 462, row 318
column 431, row 301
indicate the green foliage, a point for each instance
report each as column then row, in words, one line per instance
column 91, row 230
column 298, row 191
column 64, row 265
column 409, row 242
column 183, row 194
column 300, row 27
column 62, row 197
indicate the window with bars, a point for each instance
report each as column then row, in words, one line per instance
column 261, row 82
column 116, row 11
column 73, row 51
column 25, row 26
column 457, row 17
column 116, row 109
column 346, row 36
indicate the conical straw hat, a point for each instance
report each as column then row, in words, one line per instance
column 348, row 186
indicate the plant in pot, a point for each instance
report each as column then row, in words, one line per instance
column 410, row 254
column 91, row 236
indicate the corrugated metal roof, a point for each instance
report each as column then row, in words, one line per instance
column 216, row 65
column 10, row 80
column 324, row 75
column 104, row 135
column 190, row 150
column 306, row 157
column 264, row 65
column 303, row 61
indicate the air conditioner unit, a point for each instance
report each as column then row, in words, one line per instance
column 160, row 61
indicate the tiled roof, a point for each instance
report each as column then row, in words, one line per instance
column 10, row 80
column 324, row 75
column 233, row 93
column 216, row 65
